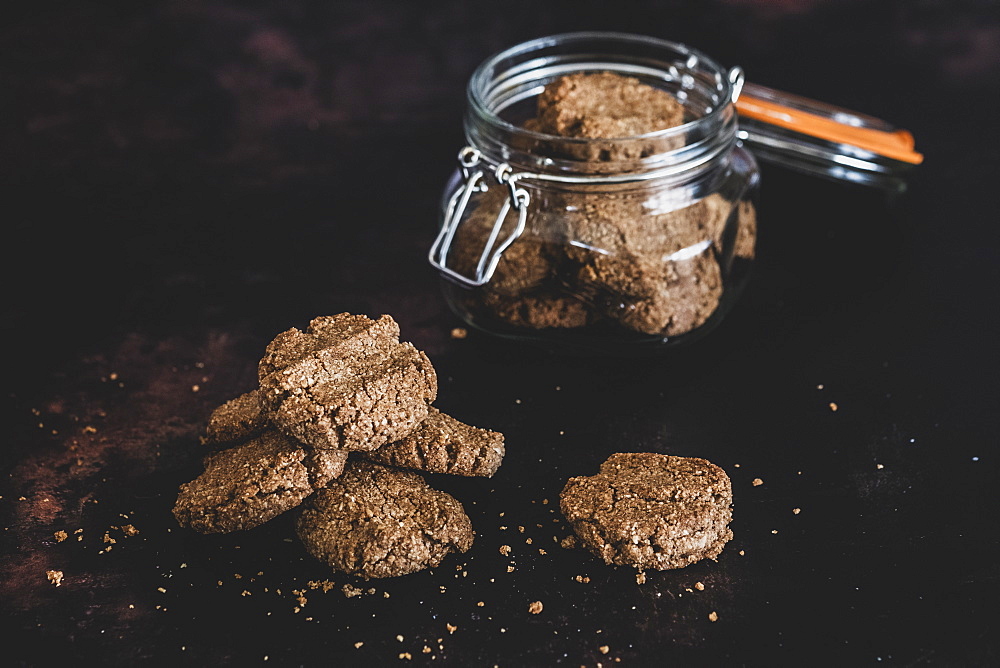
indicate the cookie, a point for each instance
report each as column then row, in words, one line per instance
column 237, row 419
column 442, row 444
column 650, row 510
column 247, row 485
column 376, row 521
column 327, row 338
column 346, row 383
column 605, row 105
column 663, row 298
column 746, row 235
column 526, row 264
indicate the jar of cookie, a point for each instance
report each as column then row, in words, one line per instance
column 605, row 200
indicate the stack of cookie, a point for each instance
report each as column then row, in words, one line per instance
column 342, row 409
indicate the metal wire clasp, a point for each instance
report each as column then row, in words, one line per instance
column 469, row 160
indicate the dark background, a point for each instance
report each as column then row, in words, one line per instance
column 184, row 180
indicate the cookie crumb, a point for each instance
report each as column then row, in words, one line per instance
column 699, row 586
column 757, row 482
column 568, row 543
column 582, row 578
column 358, row 645
column 796, row 511
column 350, row 591
column 505, row 550
column 405, row 655
column 535, row 607
column 879, row 466
column 55, row 577
column 640, row 577
column 603, row 649
column 459, row 333
column 713, row 616
column 60, row 536
column 833, row 407
column 743, row 553
column 451, row 629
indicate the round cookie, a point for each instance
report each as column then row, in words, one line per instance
column 236, row 419
column 244, row 486
column 376, row 521
column 649, row 510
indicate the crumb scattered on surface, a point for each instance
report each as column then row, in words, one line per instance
column 699, row 586
column 603, row 649
column 640, row 577
column 55, row 577
column 535, row 607
column 713, row 616
column 879, row 466
column 459, row 333
column 505, row 550
column 757, row 482
column 833, row 407
column 60, row 536
column 451, row 629
column 796, row 511
column 351, row 591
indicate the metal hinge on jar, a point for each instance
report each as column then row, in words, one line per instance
column 474, row 180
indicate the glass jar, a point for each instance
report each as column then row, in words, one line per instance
column 611, row 245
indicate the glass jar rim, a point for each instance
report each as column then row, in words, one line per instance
column 482, row 80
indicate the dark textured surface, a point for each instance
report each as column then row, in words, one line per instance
column 183, row 181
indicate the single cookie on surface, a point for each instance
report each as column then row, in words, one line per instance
column 247, row 485
column 346, row 383
column 442, row 444
column 650, row 510
column 236, row 419
column 378, row 522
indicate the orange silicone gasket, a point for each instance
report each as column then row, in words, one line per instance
column 897, row 145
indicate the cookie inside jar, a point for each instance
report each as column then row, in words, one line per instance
column 639, row 226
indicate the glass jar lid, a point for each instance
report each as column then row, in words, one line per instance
column 822, row 139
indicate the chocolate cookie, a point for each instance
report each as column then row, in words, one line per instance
column 346, row 383
column 247, row 485
column 651, row 511
column 605, row 105
column 525, row 264
column 540, row 310
column 746, row 236
column 442, row 444
column 377, row 522
column 327, row 338
column 236, row 419
column 660, row 298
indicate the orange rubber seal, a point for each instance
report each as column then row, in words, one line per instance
column 897, row 145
